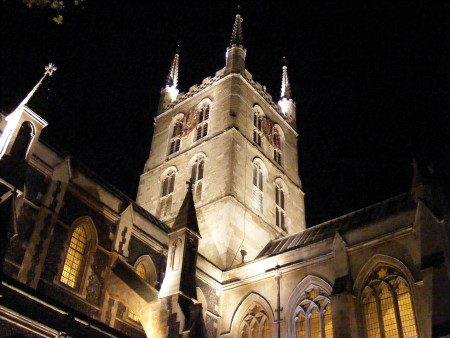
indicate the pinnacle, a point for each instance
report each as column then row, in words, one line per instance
column 285, row 84
column 172, row 78
column 237, row 37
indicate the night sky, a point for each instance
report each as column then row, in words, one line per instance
column 371, row 82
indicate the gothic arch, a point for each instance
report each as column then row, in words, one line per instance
column 66, row 265
column 166, row 171
column 257, row 109
column 202, row 300
column 277, row 127
column 379, row 261
column 150, row 269
column 23, row 140
column 195, row 157
column 298, row 294
column 281, row 182
column 263, row 166
column 206, row 100
column 251, row 300
column 374, row 262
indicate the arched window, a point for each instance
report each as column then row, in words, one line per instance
column 203, row 116
column 167, row 192
column 387, row 306
column 258, row 127
column 23, row 140
column 280, row 213
column 176, row 134
column 197, row 171
column 75, row 258
column 313, row 316
column 141, row 272
column 276, row 143
column 258, row 196
column 255, row 324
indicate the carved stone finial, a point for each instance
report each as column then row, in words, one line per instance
column 50, row 69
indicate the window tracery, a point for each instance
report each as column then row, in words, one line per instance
column 75, row 257
column 258, row 196
column 203, row 117
column 313, row 316
column 255, row 324
column 258, row 127
column 167, row 192
column 197, row 171
column 387, row 305
column 276, row 143
column 177, row 133
column 280, row 213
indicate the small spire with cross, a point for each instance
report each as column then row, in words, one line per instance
column 190, row 184
column 50, row 68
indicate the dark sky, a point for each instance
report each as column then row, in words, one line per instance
column 371, row 82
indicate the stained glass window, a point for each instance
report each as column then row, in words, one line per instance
column 314, row 317
column 256, row 324
column 74, row 259
column 387, row 305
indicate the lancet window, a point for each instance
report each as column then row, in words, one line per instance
column 141, row 272
column 387, row 305
column 255, row 324
column 313, row 317
column 177, row 132
column 75, row 258
column 258, row 195
column 203, row 116
column 166, row 195
column 276, row 143
column 257, row 127
column 198, row 168
column 280, row 213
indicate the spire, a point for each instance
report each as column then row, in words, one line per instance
column 237, row 38
column 172, row 78
column 187, row 216
column 48, row 71
column 285, row 84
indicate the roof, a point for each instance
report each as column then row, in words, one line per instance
column 144, row 213
column 354, row 220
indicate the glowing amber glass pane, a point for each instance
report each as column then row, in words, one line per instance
column 388, row 313
column 328, row 323
column 406, row 312
column 300, row 326
column 244, row 333
column 133, row 316
column 255, row 329
column 314, row 323
column 266, row 329
column 74, row 258
column 371, row 317
column 140, row 271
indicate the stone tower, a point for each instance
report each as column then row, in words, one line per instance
column 240, row 150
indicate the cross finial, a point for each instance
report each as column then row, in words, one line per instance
column 190, row 184
column 50, row 69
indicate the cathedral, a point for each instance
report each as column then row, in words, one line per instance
column 215, row 243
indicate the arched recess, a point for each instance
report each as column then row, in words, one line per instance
column 202, row 300
column 281, row 182
column 379, row 260
column 247, row 305
column 306, row 285
column 175, row 133
column 23, row 140
column 257, row 160
column 382, row 264
column 75, row 262
column 277, row 142
column 146, row 262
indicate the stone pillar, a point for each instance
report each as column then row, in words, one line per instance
column 343, row 303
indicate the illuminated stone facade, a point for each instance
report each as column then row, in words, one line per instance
column 228, row 256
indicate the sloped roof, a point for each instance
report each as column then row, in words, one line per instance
column 354, row 220
column 144, row 213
